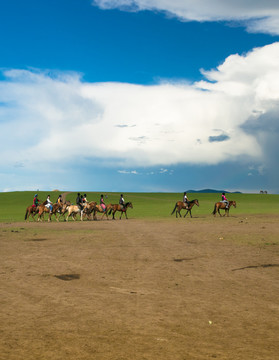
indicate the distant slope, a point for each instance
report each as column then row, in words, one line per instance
column 208, row 191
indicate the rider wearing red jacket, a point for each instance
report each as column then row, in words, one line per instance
column 35, row 201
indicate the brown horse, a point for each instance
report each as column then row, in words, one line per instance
column 181, row 205
column 56, row 211
column 122, row 209
column 89, row 208
column 42, row 209
column 64, row 209
column 100, row 209
column 223, row 206
column 31, row 210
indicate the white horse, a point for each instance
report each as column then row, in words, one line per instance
column 73, row 210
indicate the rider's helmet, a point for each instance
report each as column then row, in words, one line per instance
column 36, row 195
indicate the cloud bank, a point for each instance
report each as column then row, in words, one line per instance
column 232, row 115
column 256, row 15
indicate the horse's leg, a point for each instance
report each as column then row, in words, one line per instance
column 190, row 213
column 126, row 215
column 114, row 211
column 186, row 213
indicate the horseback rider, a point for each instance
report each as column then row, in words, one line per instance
column 84, row 200
column 49, row 204
column 225, row 200
column 79, row 201
column 185, row 200
column 35, row 201
column 122, row 201
column 102, row 203
column 59, row 200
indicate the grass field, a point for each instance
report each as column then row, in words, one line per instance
column 146, row 205
column 152, row 287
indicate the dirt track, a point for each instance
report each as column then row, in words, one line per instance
column 178, row 289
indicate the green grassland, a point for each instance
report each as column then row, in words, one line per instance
column 145, row 205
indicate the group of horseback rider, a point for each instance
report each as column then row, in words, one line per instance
column 49, row 203
column 186, row 200
column 80, row 201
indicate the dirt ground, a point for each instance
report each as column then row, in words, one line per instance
column 182, row 289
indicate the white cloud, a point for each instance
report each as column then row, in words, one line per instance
column 257, row 15
column 47, row 121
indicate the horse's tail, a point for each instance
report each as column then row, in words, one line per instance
column 26, row 214
column 214, row 211
column 174, row 209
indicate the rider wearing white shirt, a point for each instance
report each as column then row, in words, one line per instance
column 49, row 203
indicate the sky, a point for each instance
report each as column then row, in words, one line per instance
column 139, row 95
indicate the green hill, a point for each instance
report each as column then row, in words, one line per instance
column 146, row 205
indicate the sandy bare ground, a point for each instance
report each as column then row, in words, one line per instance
column 173, row 289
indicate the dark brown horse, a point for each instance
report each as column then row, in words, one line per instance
column 31, row 210
column 181, row 205
column 56, row 211
column 122, row 209
column 223, row 206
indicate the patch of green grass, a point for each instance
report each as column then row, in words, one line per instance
column 145, row 205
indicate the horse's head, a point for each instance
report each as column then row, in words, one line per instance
column 234, row 203
column 196, row 201
column 129, row 204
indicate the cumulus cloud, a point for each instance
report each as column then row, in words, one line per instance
column 256, row 15
column 229, row 116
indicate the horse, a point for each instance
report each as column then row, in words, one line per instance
column 42, row 209
column 221, row 205
column 100, row 209
column 181, row 205
column 56, row 209
column 31, row 210
column 88, row 208
column 122, row 208
column 73, row 210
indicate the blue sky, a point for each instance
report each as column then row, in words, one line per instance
column 136, row 95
